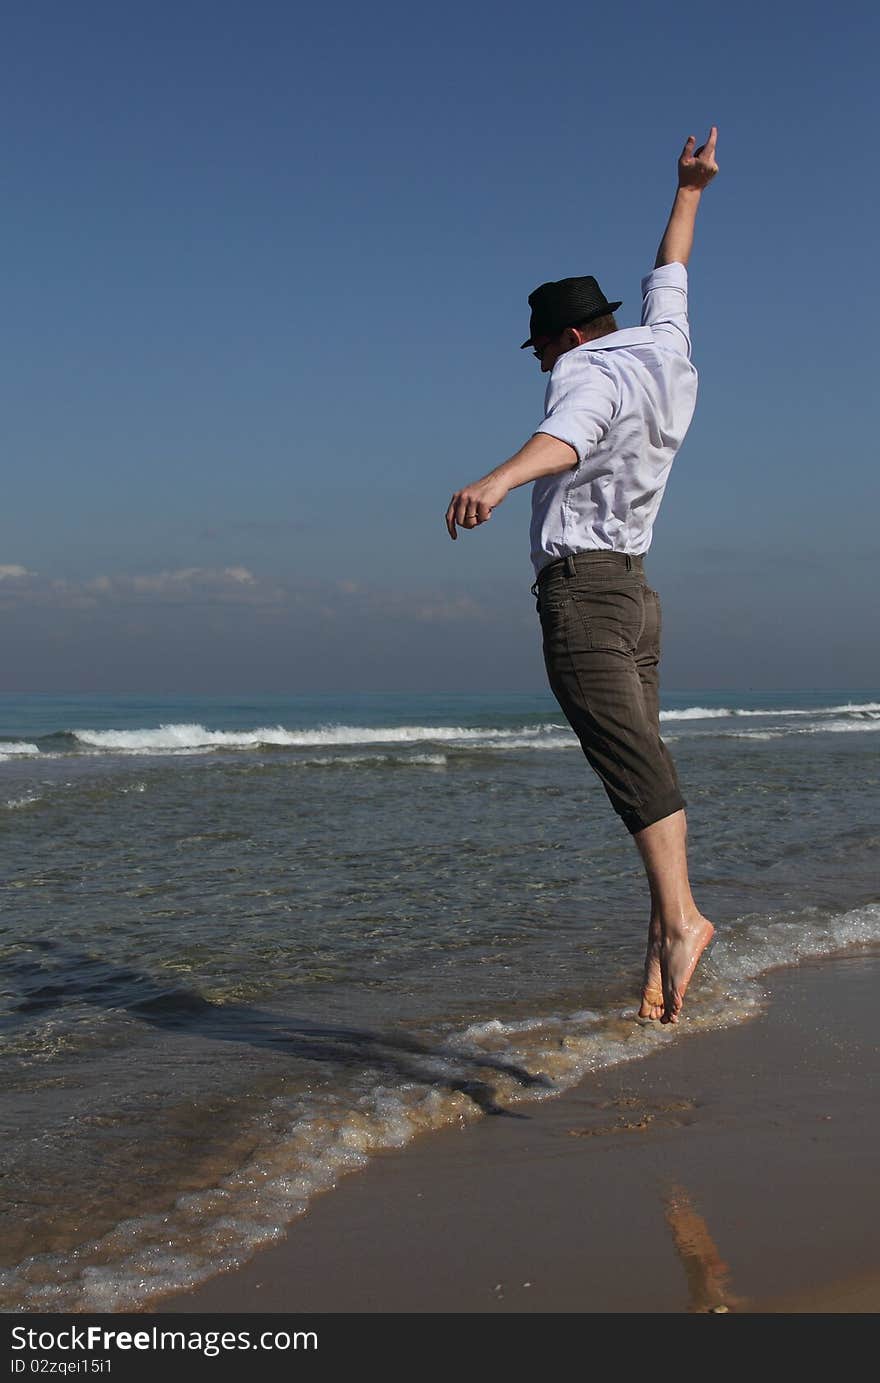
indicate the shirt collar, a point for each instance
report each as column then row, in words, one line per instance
column 630, row 336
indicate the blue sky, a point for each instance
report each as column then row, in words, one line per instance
column 265, row 281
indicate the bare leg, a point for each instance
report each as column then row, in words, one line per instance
column 684, row 931
column 648, row 665
column 652, row 985
column 652, row 1004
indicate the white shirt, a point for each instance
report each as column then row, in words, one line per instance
column 624, row 402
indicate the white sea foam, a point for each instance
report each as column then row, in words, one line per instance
column 399, row 760
column 181, row 736
column 494, row 1028
column 718, row 712
column 841, row 726
column 306, row 1143
column 821, row 727
column 189, row 737
column 850, row 708
column 755, row 944
column 10, row 749
column 565, row 740
column 193, row 737
column 696, row 713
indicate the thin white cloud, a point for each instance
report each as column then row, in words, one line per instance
column 337, row 602
column 441, row 611
column 198, row 585
column 185, row 581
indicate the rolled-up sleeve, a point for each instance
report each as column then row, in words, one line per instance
column 665, row 307
column 582, row 399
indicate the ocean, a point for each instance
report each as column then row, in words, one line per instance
column 246, row 943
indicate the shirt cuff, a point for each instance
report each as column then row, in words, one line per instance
column 571, row 434
column 673, row 275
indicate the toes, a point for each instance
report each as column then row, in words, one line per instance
column 672, row 1008
column 651, row 1006
column 650, row 1009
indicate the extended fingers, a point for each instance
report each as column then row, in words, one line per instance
column 460, row 512
column 706, row 152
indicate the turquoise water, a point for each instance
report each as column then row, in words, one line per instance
column 247, row 942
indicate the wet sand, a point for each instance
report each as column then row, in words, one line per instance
column 734, row 1169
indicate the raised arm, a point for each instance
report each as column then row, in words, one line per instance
column 695, row 171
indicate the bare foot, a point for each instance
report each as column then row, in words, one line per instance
column 680, row 950
column 652, row 988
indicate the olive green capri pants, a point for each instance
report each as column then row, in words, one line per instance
column 601, row 626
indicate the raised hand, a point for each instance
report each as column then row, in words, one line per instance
column 697, row 167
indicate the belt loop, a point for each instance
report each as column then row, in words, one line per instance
column 569, row 566
column 629, row 562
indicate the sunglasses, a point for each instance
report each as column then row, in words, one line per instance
column 539, row 350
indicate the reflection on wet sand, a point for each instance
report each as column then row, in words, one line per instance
column 708, row 1276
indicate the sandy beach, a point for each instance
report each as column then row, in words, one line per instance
column 734, row 1170
column 401, row 926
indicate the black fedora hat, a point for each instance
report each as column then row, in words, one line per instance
column 565, row 303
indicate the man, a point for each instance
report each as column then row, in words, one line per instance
column 617, row 408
